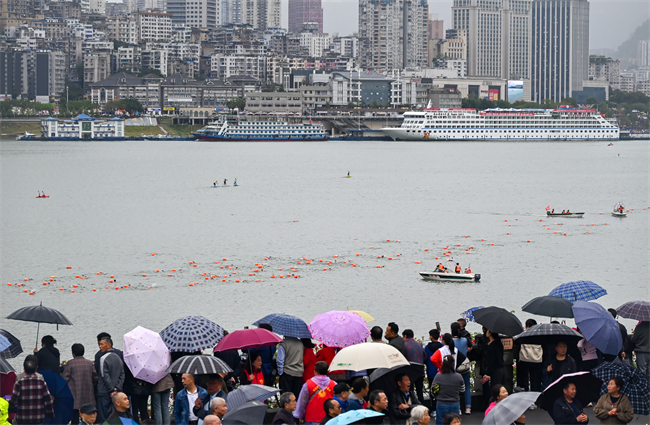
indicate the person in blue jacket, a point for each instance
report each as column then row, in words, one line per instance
column 568, row 410
column 186, row 400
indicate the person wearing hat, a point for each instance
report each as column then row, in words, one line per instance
column 88, row 414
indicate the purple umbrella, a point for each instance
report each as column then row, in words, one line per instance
column 637, row 310
column 339, row 328
column 146, row 355
column 598, row 326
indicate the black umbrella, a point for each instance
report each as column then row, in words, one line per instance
column 199, row 365
column 587, row 389
column 14, row 349
column 548, row 334
column 249, row 413
column 5, row 367
column 498, row 320
column 384, row 378
column 549, row 306
column 40, row 314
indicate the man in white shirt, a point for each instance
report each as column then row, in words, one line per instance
column 186, row 400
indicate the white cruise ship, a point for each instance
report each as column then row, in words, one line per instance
column 564, row 123
column 266, row 131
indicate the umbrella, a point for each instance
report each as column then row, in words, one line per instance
column 146, row 355
column 63, row 399
column 5, row 367
column 469, row 314
column 247, row 338
column 249, row 413
column 587, row 389
column 339, row 328
column 191, row 334
column 4, row 343
column 199, row 365
column 287, row 325
column 637, row 310
column 598, row 326
column 354, row 416
column 367, row 355
column 549, row 306
column 548, row 333
column 511, row 408
column 40, row 314
column 583, row 290
column 384, row 379
column 365, row 316
column 14, row 350
column 253, row 392
column 635, row 384
column 498, row 320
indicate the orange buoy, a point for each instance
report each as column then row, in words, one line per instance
column 191, row 284
column 94, row 290
column 387, row 240
column 98, row 273
column 70, row 291
column 527, row 241
column 272, row 276
column 324, row 270
column 358, row 255
column 457, row 244
column 505, row 221
column 437, row 258
column 225, row 259
column 540, row 219
column 223, row 280
column 44, row 283
column 117, row 287
column 508, row 233
column 565, row 234
column 483, row 240
column 555, row 233
column 194, row 265
column 9, row 284
column 157, row 270
column 417, row 262
column 605, row 224
column 75, row 285
column 31, row 293
column 61, row 289
column 372, row 247
column 28, row 279
column 234, row 272
column 68, row 267
column 492, row 244
column 390, row 258
column 589, row 233
column 153, row 254
column 378, row 266
column 173, row 270
column 106, row 288
column 82, row 277
column 258, row 280
column 237, row 281
column 468, row 253
column 169, row 275
column 25, row 290
column 148, row 287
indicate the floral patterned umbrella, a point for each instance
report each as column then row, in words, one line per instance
column 339, row 328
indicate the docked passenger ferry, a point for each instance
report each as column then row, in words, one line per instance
column 257, row 131
column 564, row 123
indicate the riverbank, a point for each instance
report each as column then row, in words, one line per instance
column 13, row 129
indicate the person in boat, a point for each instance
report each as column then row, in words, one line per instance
column 440, row 267
column 553, row 211
column 563, row 212
column 568, row 212
column 235, row 181
column 214, row 184
column 458, row 268
column 348, row 174
column 468, row 270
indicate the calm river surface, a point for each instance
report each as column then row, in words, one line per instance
column 113, row 205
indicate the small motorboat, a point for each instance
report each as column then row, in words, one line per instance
column 570, row 214
column 451, row 277
column 619, row 211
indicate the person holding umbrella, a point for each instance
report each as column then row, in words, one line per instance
column 568, row 410
column 494, row 366
column 48, row 356
column 252, row 373
column 614, row 407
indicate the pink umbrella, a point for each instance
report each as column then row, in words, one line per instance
column 146, row 355
column 247, row 338
column 339, row 328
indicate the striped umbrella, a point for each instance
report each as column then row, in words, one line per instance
column 199, row 365
column 637, row 310
column 581, row 290
column 191, row 334
column 252, row 392
column 285, row 324
column 14, row 349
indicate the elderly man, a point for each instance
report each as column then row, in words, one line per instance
column 88, row 414
column 378, row 402
column 82, row 378
column 287, row 407
column 392, row 335
column 111, row 378
column 215, row 389
column 211, row 420
column 401, row 400
column 313, row 395
column 568, row 410
column 121, row 409
column 332, row 409
column 186, row 400
column 219, row 407
column 31, row 397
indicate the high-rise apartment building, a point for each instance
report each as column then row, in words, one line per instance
column 385, row 42
column 154, row 26
column 498, row 36
column 35, row 74
column 303, row 11
column 194, row 13
column 560, row 48
column 436, row 27
column 643, row 53
column 260, row 14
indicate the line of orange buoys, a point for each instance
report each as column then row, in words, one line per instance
column 228, row 272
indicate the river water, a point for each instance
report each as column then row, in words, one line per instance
column 113, row 205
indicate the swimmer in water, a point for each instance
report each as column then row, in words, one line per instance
column 225, row 181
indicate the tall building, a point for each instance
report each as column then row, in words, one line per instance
column 387, row 44
column 260, row 14
column 436, row 27
column 643, row 53
column 195, row 14
column 498, row 37
column 154, row 26
column 303, row 11
column 560, row 48
column 36, row 75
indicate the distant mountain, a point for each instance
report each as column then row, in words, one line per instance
column 628, row 49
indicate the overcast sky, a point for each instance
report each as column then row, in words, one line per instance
column 610, row 22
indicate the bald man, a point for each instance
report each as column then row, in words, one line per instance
column 211, row 420
column 121, row 409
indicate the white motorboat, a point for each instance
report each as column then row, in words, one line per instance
column 619, row 211
column 451, row 277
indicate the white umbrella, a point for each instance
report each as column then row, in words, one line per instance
column 368, row 355
column 146, row 354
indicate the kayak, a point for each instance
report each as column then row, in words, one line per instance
column 572, row 215
column 43, row 196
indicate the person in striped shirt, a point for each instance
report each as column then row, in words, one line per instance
column 31, row 397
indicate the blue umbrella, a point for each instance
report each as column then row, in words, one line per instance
column 635, row 384
column 191, row 334
column 469, row 314
column 252, row 392
column 63, row 399
column 581, row 290
column 287, row 325
column 354, row 416
column 598, row 326
column 4, row 343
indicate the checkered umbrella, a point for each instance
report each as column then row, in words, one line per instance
column 14, row 349
column 5, row 367
column 191, row 334
column 469, row 314
column 581, row 290
column 635, row 384
column 4, row 343
column 285, row 324
column 548, row 333
column 252, row 392
column 637, row 310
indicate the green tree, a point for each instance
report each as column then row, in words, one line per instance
column 570, row 101
column 592, row 100
column 147, row 71
column 239, row 103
